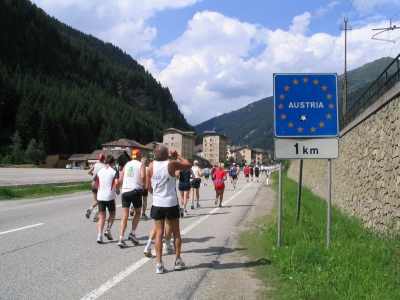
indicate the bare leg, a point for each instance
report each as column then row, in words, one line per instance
column 111, row 219
column 100, row 224
column 144, row 204
column 177, row 236
column 124, row 220
column 136, row 218
column 159, row 237
column 168, row 231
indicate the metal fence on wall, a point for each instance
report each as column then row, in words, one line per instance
column 385, row 81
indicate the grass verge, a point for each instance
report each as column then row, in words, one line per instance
column 7, row 193
column 359, row 265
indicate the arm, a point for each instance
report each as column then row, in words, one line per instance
column 200, row 172
column 180, row 164
column 90, row 172
column 143, row 174
column 148, row 176
column 95, row 182
column 116, row 182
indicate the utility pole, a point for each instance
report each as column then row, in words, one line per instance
column 345, row 65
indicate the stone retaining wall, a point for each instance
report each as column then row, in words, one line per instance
column 366, row 176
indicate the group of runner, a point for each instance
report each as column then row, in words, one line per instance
column 136, row 180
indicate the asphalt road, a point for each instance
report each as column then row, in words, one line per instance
column 48, row 248
column 25, row 176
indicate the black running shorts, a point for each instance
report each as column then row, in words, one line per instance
column 184, row 186
column 195, row 184
column 145, row 193
column 103, row 205
column 131, row 197
column 159, row 213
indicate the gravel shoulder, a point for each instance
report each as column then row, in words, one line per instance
column 230, row 276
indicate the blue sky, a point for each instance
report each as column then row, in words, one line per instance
column 217, row 56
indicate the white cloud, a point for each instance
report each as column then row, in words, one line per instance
column 364, row 6
column 210, row 72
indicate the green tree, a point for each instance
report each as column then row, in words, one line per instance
column 16, row 152
column 35, row 153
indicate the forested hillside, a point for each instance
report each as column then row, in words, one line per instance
column 70, row 91
column 253, row 125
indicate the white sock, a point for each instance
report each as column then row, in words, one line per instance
column 100, row 234
column 91, row 207
column 133, row 231
column 121, row 238
column 149, row 243
column 108, row 228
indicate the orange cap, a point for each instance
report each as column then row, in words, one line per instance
column 136, row 153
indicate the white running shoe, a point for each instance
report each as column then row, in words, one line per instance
column 96, row 217
column 100, row 239
column 108, row 234
column 179, row 264
column 147, row 251
column 88, row 213
column 133, row 238
column 168, row 249
column 122, row 244
column 160, row 268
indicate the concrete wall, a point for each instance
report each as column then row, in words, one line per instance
column 366, row 176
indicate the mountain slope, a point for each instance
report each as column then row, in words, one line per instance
column 71, row 91
column 253, row 125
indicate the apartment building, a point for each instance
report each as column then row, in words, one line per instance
column 244, row 155
column 181, row 141
column 214, row 147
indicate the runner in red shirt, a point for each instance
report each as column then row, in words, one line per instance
column 219, row 178
column 246, row 171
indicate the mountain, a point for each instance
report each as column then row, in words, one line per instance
column 70, row 91
column 253, row 125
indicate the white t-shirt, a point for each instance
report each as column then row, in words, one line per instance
column 106, row 179
column 97, row 166
column 164, row 186
column 132, row 179
column 196, row 173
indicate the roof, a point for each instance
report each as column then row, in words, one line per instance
column 242, row 147
column 126, row 143
column 189, row 133
column 198, row 148
column 214, row 133
column 79, row 157
column 116, row 153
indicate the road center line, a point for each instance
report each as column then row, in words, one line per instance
column 26, row 227
column 125, row 273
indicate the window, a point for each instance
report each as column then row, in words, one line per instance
column 172, row 138
column 172, row 144
column 166, row 144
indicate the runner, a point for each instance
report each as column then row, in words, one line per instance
column 195, row 184
column 206, row 172
column 246, row 171
column 234, row 171
column 167, row 246
column 106, row 181
column 93, row 171
column 251, row 173
column 184, row 188
column 133, row 177
column 257, row 172
column 145, row 193
column 213, row 169
column 230, row 173
column 160, row 181
column 220, row 177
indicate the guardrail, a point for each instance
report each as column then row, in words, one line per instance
column 380, row 86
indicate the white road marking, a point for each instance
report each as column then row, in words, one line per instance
column 121, row 276
column 26, row 227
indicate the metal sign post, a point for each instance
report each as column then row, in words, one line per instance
column 306, row 126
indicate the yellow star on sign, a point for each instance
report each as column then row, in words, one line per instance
column 313, row 129
column 305, row 79
column 282, row 96
column 329, row 96
column 295, row 81
column 324, row 88
column 316, row 81
column 328, row 116
column 286, row 88
column 283, row 116
column 331, row 105
column 280, row 106
column 321, row 124
column 300, row 129
column 290, row 124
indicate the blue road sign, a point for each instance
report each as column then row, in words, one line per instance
column 306, row 105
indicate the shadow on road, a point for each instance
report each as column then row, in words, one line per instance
column 216, row 265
